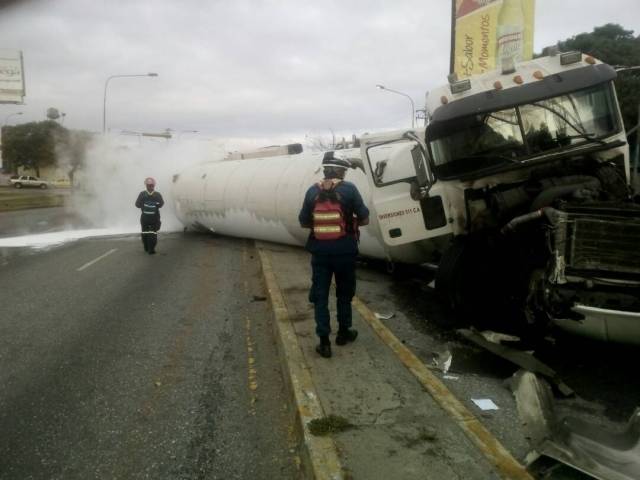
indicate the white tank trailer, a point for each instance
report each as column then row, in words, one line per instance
column 518, row 189
column 260, row 198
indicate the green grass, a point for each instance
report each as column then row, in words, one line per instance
column 328, row 425
column 10, row 201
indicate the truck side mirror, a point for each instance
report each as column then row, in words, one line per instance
column 420, row 164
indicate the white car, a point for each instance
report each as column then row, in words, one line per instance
column 29, row 181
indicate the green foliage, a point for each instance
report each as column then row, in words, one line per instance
column 29, row 145
column 40, row 144
column 618, row 47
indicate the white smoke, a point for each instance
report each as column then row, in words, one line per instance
column 106, row 188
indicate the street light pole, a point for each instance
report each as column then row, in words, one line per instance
column 106, row 84
column 9, row 116
column 413, row 107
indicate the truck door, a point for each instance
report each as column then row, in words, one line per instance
column 403, row 210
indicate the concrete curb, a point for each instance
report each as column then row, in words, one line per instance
column 319, row 454
column 503, row 462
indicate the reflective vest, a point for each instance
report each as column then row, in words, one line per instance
column 150, row 208
column 329, row 218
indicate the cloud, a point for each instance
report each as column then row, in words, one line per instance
column 249, row 68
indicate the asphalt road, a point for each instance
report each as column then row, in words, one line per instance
column 121, row 365
column 146, row 367
column 38, row 220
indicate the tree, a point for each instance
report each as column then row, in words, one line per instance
column 618, row 47
column 319, row 143
column 71, row 149
column 39, row 144
column 29, row 145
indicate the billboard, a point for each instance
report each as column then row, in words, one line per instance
column 484, row 32
column 11, row 77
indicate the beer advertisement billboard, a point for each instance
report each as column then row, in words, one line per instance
column 484, row 32
column 11, row 77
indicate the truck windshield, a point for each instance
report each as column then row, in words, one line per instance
column 477, row 142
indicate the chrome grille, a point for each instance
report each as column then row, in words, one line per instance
column 603, row 244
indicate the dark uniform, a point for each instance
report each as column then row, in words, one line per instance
column 150, row 203
column 334, row 258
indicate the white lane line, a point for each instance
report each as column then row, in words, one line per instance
column 88, row 264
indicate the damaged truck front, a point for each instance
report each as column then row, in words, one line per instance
column 534, row 166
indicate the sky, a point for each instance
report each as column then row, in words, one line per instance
column 275, row 71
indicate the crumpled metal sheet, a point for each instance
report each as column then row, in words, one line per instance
column 586, row 447
column 523, row 359
column 601, row 454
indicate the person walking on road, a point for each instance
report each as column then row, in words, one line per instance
column 150, row 202
column 333, row 209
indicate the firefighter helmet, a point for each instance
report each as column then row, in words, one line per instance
column 329, row 160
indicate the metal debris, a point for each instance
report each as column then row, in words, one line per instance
column 523, row 359
column 442, row 360
column 497, row 337
column 534, row 401
column 576, row 443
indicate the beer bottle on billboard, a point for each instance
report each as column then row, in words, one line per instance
column 510, row 31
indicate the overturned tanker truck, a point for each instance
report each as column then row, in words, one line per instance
column 518, row 188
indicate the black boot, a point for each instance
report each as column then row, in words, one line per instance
column 324, row 348
column 346, row 336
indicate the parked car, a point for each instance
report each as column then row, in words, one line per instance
column 29, row 181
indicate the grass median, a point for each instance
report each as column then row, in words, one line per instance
column 10, row 200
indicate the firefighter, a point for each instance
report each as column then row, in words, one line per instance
column 150, row 202
column 333, row 209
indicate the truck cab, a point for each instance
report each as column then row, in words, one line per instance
column 519, row 187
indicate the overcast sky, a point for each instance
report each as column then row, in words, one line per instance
column 274, row 69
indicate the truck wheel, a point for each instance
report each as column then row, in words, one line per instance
column 43, row 186
column 18, row 185
column 448, row 284
column 463, row 283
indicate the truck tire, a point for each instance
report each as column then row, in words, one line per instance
column 449, row 279
column 43, row 186
column 463, row 283
column 17, row 185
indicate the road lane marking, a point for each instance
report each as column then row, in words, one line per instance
column 88, row 264
column 251, row 359
column 503, row 462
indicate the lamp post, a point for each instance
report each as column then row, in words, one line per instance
column 106, row 84
column 413, row 107
column 9, row 116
